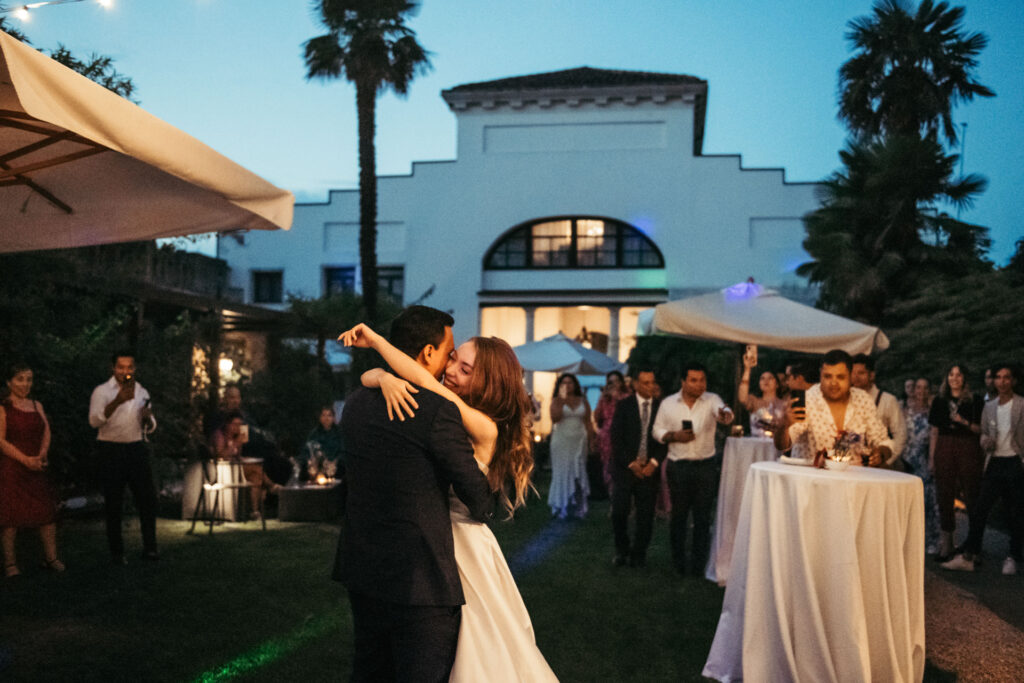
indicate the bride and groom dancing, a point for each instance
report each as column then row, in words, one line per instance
column 432, row 597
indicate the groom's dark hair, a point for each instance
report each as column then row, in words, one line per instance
column 417, row 326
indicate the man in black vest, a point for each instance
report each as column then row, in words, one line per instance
column 395, row 554
column 636, row 473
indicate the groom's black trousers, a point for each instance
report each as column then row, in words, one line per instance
column 407, row 643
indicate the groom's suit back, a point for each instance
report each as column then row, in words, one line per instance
column 396, row 538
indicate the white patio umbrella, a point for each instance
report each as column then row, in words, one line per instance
column 749, row 314
column 80, row 165
column 559, row 353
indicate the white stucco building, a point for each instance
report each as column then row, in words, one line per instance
column 577, row 199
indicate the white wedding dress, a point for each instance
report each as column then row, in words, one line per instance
column 496, row 641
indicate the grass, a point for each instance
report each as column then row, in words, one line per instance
column 247, row 605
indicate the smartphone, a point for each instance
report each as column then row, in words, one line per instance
column 128, row 379
column 752, row 353
column 688, row 424
column 798, row 395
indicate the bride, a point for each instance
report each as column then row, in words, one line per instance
column 484, row 380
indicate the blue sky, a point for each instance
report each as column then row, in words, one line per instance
column 230, row 73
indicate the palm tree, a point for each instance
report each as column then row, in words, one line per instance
column 880, row 230
column 367, row 43
column 909, row 69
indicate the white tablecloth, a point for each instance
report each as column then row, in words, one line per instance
column 740, row 454
column 228, row 472
column 827, row 579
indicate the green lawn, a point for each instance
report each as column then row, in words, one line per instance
column 248, row 605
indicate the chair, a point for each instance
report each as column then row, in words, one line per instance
column 212, row 513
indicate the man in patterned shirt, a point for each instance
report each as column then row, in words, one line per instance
column 834, row 406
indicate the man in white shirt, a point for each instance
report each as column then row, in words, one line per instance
column 835, row 407
column 120, row 410
column 1002, row 438
column 686, row 422
column 887, row 406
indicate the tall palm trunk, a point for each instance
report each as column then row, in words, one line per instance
column 366, row 105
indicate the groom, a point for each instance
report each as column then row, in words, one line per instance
column 395, row 554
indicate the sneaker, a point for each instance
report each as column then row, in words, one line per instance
column 959, row 563
column 1009, row 566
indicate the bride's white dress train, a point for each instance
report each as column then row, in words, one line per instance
column 496, row 640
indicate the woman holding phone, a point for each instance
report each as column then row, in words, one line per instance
column 571, row 435
column 769, row 406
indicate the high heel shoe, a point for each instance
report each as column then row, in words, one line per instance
column 54, row 565
column 11, row 570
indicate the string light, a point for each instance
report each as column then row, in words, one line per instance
column 22, row 11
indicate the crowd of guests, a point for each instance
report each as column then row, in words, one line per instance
column 654, row 456
column 120, row 412
column 967, row 449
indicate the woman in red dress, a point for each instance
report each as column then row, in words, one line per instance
column 27, row 499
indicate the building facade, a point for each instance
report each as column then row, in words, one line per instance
column 577, row 199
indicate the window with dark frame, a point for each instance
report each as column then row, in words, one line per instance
column 391, row 281
column 339, row 280
column 268, row 286
column 575, row 242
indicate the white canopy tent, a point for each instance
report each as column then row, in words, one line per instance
column 80, row 165
column 559, row 353
column 748, row 314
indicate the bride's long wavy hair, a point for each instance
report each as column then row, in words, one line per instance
column 496, row 389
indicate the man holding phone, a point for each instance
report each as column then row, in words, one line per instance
column 686, row 422
column 834, row 406
column 120, row 410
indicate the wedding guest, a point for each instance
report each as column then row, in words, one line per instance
column 571, row 435
column 769, row 401
column 614, row 391
column 637, row 459
column 915, row 457
column 327, row 433
column 27, row 498
column 955, row 454
column 908, row 391
column 990, row 385
column 835, row 406
column 228, row 443
column 686, row 422
column 862, row 376
column 119, row 411
column 1002, row 438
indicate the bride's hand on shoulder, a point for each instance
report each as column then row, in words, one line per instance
column 361, row 336
column 398, row 396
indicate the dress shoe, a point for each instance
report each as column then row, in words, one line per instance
column 959, row 563
column 118, row 560
column 150, row 555
column 619, row 560
column 638, row 562
column 1009, row 566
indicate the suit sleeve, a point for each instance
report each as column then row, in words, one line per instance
column 454, row 455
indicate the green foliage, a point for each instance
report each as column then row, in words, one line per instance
column 975, row 319
column 909, row 69
column 879, row 229
column 98, row 68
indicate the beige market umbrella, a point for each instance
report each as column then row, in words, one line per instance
column 748, row 314
column 80, row 165
column 558, row 353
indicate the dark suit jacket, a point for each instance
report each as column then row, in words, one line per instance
column 625, row 435
column 396, row 538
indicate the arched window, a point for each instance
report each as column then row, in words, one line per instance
column 573, row 242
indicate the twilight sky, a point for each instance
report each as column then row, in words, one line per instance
column 230, row 73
